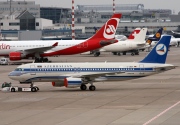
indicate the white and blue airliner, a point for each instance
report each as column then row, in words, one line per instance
column 79, row 74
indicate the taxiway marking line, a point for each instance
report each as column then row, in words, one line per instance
column 163, row 112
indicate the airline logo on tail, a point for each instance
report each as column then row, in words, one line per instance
column 161, row 49
column 158, row 35
column 134, row 33
column 149, row 41
column 110, row 28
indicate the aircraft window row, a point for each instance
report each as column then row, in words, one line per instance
column 70, row 69
column 56, row 66
column 29, row 46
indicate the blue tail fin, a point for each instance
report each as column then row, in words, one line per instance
column 95, row 29
column 158, row 34
column 159, row 53
column 156, row 37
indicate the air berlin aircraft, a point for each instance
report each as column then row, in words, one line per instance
column 17, row 50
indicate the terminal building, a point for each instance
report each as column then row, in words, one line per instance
column 133, row 15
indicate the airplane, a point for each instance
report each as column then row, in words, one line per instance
column 175, row 34
column 131, row 44
column 72, row 75
column 17, row 50
column 123, row 37
column 174, row 41
column 131, row 36
column 152, row 40
column 123, row 44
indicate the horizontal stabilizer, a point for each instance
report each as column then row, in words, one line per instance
column 55, row 44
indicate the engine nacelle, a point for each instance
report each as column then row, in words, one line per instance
column 58, row 84
column 14, row 56
column 72, row 82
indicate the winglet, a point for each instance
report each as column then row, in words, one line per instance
column 156, row 37
column 159, row 53
column 55, row 44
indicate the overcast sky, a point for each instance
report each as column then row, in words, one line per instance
column 148, row 4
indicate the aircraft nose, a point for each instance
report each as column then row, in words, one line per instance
column 13, row 75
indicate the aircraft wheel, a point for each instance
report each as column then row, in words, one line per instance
column 124, row 53
column 36, row 60
column 92, row 88
column 83, row 87
column 33, row 89
column 137, row 53
column 114, row 53
column 132, row 54
column 118, row 53
column 12, row 89
column 143, row 49
column 41, row 59
column 96, row 54
column 45, row 60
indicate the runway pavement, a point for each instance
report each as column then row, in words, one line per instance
column 153, row 100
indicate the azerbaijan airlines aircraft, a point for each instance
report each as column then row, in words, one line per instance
column 79, row 74
column 17, row 50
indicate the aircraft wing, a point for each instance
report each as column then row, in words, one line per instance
column 95, row 75
column 162, row 69
column 141, row 44
column 41, row 49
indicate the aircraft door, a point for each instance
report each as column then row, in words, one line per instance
column 76, row 69
column 32, row 69
column 141, row 68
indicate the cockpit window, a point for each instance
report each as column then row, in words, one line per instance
column 19, row 69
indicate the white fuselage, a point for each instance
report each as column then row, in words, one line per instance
column 121, row 46
column 48, row 72
column 12, row 46
column 173, row 42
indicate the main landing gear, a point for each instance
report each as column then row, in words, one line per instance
column 96, row 54
column 91, row 87
column 41, row 59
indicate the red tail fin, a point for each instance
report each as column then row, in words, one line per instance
column 108, row 30
column 136, row 31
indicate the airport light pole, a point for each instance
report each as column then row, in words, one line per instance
column 0, row 31
column 113, row 6
column 72, row 26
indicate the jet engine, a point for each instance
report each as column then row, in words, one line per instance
column 58, row 84
column 72, row 82
column 14, row 56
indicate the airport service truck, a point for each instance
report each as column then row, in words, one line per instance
column 8, row 87
column 6, row 61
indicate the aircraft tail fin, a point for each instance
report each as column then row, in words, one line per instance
column 156, row 37
column 140, row 37
column 159, row 53
column 134, row 33
column 95, row 29
column 108, row 31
